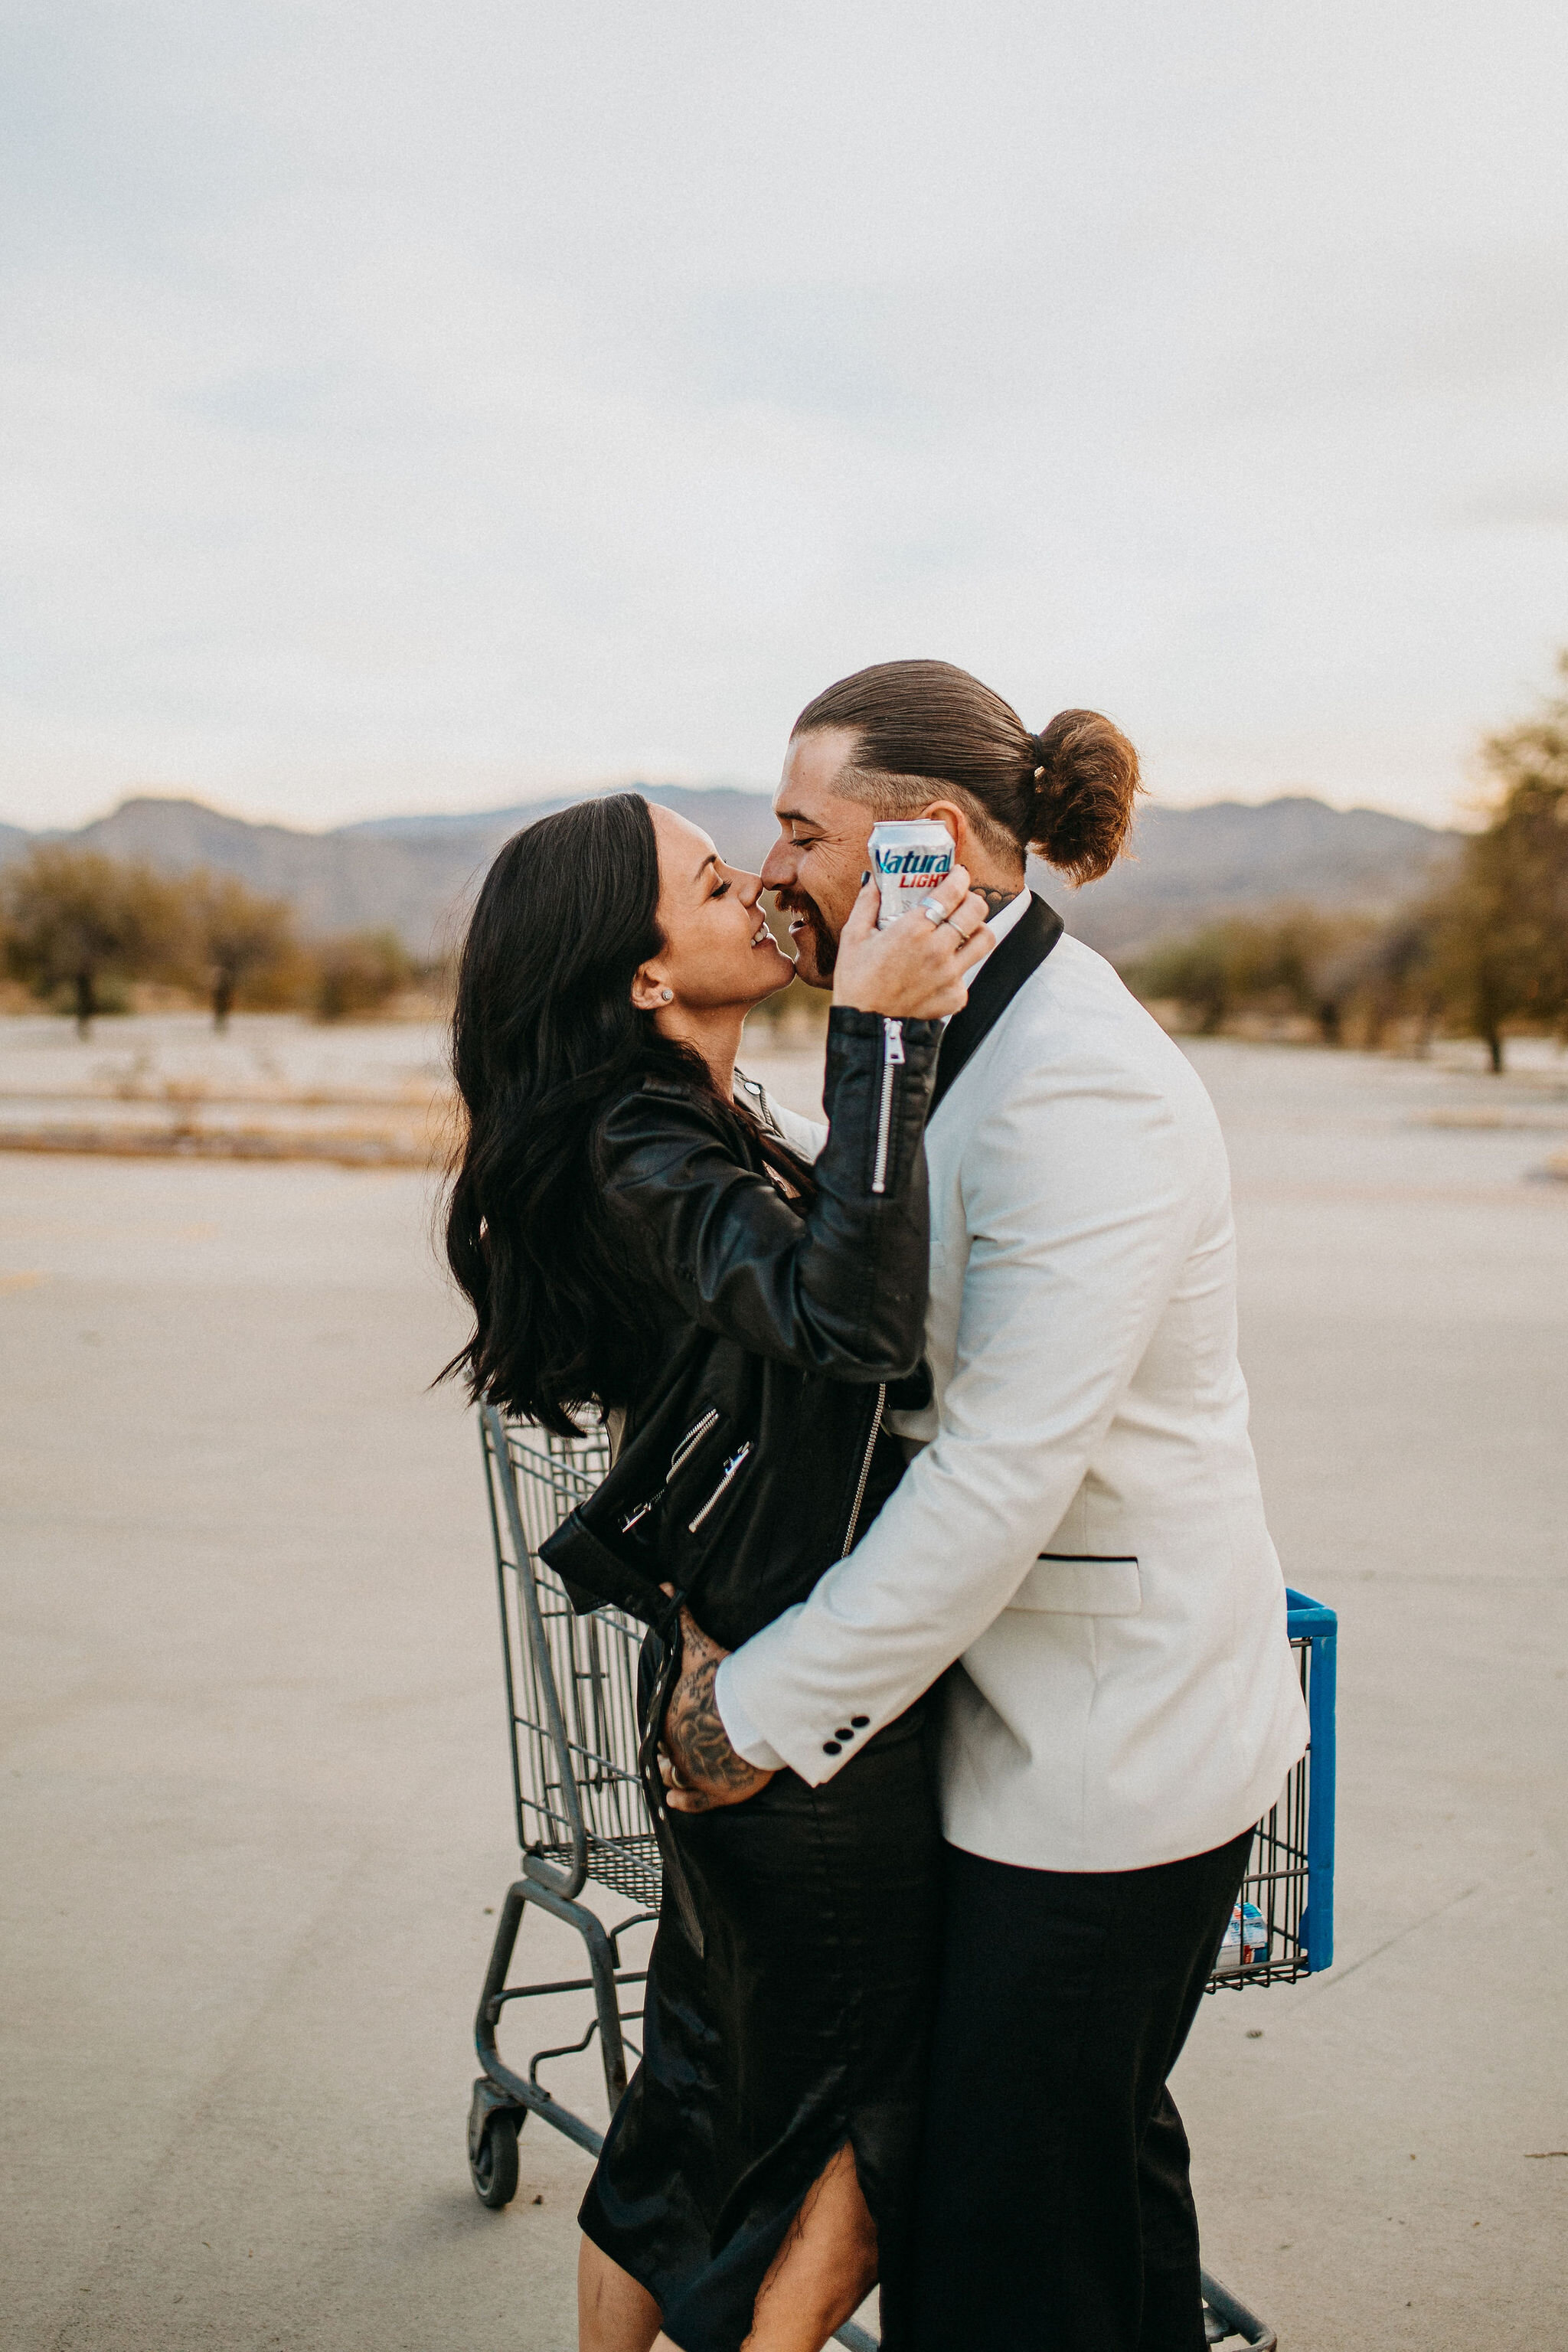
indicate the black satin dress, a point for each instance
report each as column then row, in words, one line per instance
column 800, row 2028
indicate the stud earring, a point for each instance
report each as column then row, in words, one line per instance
column 667, row 995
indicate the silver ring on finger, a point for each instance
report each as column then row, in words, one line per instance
column 933, row 914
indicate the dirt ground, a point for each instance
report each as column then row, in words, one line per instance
column 256, row 1815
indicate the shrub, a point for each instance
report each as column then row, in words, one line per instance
column 356, row 972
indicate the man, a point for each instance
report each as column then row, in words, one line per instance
column 1080, row 1529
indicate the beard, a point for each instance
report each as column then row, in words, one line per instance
column 816, row 948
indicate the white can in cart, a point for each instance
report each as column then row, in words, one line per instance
column 1246, row 1939
column 908, row 860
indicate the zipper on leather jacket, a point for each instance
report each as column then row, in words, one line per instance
column 865, row 1472
column 731, row 1467
column 692, row 1439
column 683, row 1452
column 892, row 1054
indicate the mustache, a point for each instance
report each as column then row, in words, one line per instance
column 797, row 902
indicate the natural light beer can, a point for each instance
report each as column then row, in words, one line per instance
column 908, row 860
column 1245, row 1943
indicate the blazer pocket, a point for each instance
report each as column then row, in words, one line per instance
column 1082, row 1584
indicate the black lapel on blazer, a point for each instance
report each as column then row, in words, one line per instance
column 1024, row 950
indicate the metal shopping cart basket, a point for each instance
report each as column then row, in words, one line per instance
column 571, row 1685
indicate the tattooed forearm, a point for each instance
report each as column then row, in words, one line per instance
column 704, row 1764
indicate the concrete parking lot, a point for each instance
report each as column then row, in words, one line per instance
column 257, row 1813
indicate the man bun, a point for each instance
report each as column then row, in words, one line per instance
column 1083, row 773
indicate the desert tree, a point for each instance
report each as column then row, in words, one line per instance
column 233, row 939
column 75, row 919
column 1499, row 929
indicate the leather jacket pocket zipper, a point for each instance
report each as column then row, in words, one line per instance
column 691, row 1441
column 683, row 1453
column 892, row 1054
column 731, row 1467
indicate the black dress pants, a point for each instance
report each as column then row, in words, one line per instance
column 1055, row 2213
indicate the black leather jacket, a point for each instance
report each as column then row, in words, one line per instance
column 742, row 1475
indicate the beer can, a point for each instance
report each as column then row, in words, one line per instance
column 908, row 860
column 1245, row 1943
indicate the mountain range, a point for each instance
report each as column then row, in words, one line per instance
column 418, row 874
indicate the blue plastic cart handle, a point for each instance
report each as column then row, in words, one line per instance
column 1308, row 1621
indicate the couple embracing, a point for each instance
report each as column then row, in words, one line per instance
column 974, row 1675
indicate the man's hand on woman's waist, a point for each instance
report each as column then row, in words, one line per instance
column 699, row 1767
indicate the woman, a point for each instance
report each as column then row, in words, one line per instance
column 636, row 1237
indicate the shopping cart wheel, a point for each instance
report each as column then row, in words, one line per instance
column 494, row 2169
column 492, row 2148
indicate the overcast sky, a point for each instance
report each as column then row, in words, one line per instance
column 412, row 405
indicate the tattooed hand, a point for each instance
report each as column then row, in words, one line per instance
column 699, row 1767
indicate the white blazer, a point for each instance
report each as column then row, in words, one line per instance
column 1084, row 1528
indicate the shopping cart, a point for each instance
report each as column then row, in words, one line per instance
column 571, row 1685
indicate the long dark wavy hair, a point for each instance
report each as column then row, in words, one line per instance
column 545, row 1038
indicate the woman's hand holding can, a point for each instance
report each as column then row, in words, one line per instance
column 915, row 970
